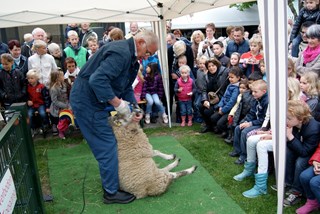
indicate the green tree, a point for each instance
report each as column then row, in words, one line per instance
column 247, row 5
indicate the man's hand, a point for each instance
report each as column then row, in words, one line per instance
column 124, row 109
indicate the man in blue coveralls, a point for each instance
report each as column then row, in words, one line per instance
column 106, row 80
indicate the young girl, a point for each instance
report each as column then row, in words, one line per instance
column 234, row 60
column 138, row 84
column 38, row 99
column 153, row 91
column 309, row 87
column 220, row 117
column 240, row 109
column 184, row 88
column 59, row 98
column 12, row 82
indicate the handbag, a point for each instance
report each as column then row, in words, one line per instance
column 213, row 96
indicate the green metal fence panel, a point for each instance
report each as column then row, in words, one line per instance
column 17, row 155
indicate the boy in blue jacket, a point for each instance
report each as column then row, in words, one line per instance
column 220, row 118
column 253, row 120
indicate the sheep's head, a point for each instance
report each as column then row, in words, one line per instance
column 120, row 120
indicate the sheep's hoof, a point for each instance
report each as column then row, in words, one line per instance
column 194, row 168
column 173, row 156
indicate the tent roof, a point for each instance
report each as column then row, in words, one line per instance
column 37, row 12
column 218, row 17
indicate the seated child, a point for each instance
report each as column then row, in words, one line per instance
column 253, row 120
column 153, row 92
column 184, row 88
column 240, row 109
column 302, row 140
column 309, row 180
column 38, row 100
column 220, row 117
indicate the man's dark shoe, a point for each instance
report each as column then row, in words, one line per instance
column 234, row 154
column 239, row 162
column 119, row 197
column 204, row 129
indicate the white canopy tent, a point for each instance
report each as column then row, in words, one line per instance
column 273, row 15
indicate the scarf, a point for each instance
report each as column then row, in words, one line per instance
column 310, row 54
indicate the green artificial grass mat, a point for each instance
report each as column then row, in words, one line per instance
column 70, row 168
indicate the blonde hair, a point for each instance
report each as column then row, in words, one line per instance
column 72, row 33
column 256, row 40
column 293, row 67
column 312, row 79
column 260, row 84
column 33, row 73
column 293, row 89
column 196, row 33
column 300, row 110
column 38, row 43
column 185, row 68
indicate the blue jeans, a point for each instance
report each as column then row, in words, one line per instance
column 240, row 140
column 154, row 99
column 185, row 107
column 294, row 166
column 310, row 183
column 42, row 112
column 295, row 46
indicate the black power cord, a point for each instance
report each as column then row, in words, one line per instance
column 83, row 182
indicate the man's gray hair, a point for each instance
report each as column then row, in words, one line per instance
column 148, row 36
column 37, row 30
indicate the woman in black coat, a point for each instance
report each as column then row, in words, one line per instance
column 217, row 78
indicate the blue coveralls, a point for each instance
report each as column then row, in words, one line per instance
column 110, row 72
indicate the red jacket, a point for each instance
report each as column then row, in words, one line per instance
column 315, row 156
column 39, row 95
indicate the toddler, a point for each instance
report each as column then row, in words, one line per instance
column 184, row 88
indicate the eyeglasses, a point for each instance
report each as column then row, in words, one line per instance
column 303, row 32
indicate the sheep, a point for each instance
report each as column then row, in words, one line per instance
column 138, row 173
